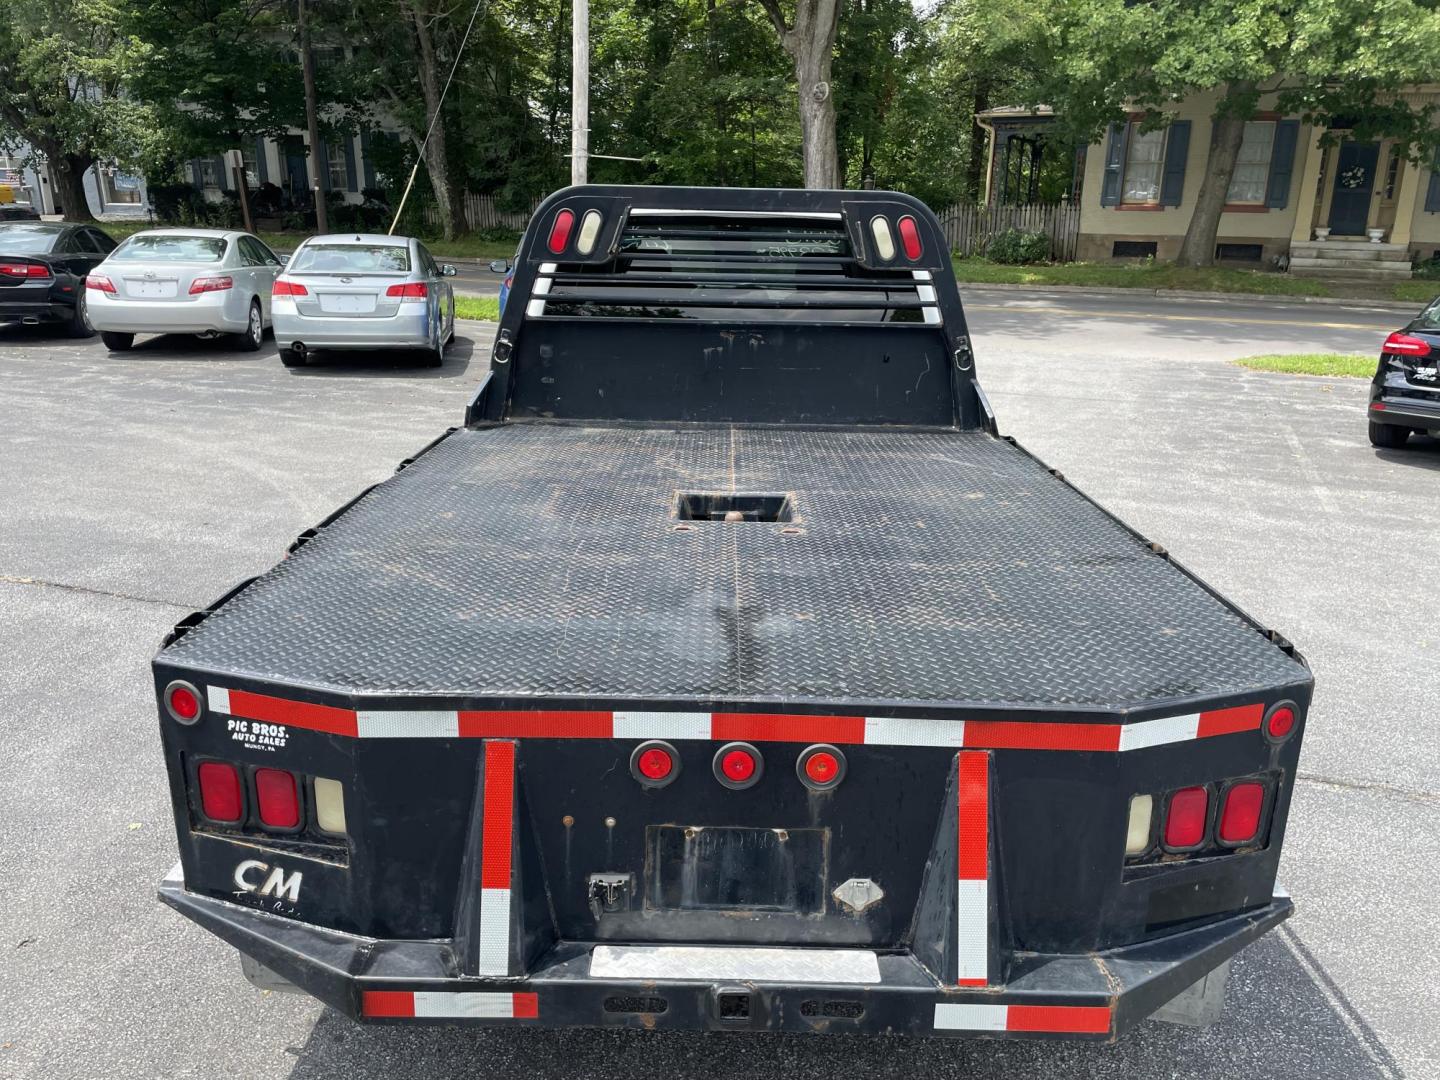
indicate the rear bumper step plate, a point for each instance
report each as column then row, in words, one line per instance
column 689, row 963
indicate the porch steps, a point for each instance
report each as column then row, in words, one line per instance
column 1350, row 259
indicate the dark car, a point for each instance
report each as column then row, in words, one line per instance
column 19, row 212
column 42, row 272
column 1405, row 393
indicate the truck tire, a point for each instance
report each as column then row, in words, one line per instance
column 1388, row 436
column 78, row 325
column 292, row 358
column 115, row 341
column 253, row 336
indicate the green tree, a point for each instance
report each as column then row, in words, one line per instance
column 62, row 66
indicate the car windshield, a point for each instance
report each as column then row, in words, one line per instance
column 27, row 239
column 165, row 248
column 351, row 259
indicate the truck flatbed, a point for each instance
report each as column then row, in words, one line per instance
column 549, row 560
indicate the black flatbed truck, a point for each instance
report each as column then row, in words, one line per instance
column 727, row 669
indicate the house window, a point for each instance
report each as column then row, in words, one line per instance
column 1392, row 175
column 119, row 187
column 209, row 174
column 1144, row 158
column 335, row 158
column 252, row 173
column 1251, row 177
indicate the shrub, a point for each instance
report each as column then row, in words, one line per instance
column 1016, row 246
column 176, row 204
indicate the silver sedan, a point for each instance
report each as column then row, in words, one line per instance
column 363, row 292
column 183, row 281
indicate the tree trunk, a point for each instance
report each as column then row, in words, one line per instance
column 436, row 162
column 67, row 172
column 811, row 45
column 1226, row 133
column 979, row 142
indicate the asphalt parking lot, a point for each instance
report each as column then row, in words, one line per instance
column 135, row 488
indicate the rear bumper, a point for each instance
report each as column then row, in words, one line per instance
column 408, row 329
column 42, row 308
column 228, row 314
column 1086, row 996
column 1406, row 412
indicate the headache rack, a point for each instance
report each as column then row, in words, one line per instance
column 757, row 306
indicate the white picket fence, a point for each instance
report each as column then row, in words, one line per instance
column 968, row 228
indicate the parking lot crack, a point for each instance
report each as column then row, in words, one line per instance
column 10, row 579
column 1431, row 797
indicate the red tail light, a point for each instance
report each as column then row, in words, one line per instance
column 1240, row 816
column 654, row 764
column 821, row 768
column 560, row 231
column 1280, row 723
column 909, row 238
column 1406, row 345
column 738, row 765
column 288, row 288
column 411, row 290
column 183, row 702
column 220, row 796
column 277, row 798
column 1186, row 818
column 25, row 270
column 100, row 283
column 218, row 283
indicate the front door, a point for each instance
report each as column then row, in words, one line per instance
column 1354, row 184
column 297, row 175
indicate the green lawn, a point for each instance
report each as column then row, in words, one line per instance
column 1356, row 367
column 478, row 307
column 465, row 247
column 1422, row 292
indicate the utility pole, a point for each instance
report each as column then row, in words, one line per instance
column 312, row 122
column 579, row 92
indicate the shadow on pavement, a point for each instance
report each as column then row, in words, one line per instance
column 1421, row 451
column 388, row 363
column 1284, row 1019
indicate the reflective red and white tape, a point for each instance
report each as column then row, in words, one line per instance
column 442, row 1005
column 973, row 888
column 1049, row 1019
column 496, row 829
column 736, row 726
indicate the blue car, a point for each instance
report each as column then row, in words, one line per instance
column 506, row 267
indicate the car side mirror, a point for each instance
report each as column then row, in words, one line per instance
column 499, row 266
column 446, row 270
column 284, row 260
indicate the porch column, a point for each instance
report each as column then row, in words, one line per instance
column 1405, row 203
column 1309, row 180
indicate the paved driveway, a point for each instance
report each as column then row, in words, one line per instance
column 134, row 489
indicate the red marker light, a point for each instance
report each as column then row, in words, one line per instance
column 220, row 796
column 1280, row 723
column 277, row 798
column 738, row 765
column 1240, row 817
column 910, row 243
column 183, row 702
column 820, row 768
column 655, row 764
column 1185, row 822
column 560, row 231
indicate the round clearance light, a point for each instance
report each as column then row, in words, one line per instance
column 182, row 701
column 654, row 764
column 1280, row 722
column 821, row 767
column 738, row 765
column 559, row 238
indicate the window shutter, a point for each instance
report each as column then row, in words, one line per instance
column 222, row 173
column 366, row 162
column 322, row 165
column 1177, row 153
column 1432, row 193
column 262, row 171
column 1282, row 164
column 1114, row 164
column 350, row 184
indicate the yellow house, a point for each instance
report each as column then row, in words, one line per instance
column 1350, row 209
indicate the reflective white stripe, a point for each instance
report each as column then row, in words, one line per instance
column 956, row 1017
column 1168, row 729
column 921, row 275
column 549, row 268
column 714, row 963
column 493, row 1006
column 535, row 308
column 176, row 876
column 932, row 315
column 406, row 724
column 887, row 731
column 814, row 215
column 1279, row 892
column 542, row 286
column 219, row 699
column 661, row 725
column 973, row 950
column 925, row 293
column 494, row 932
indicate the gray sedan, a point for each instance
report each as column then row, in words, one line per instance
column 363, row 292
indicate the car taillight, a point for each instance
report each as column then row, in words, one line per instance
column 283, row 287
column 1406, row 345
column 411, row 290
column 909, row 238
column 220, row 793
column 100, row 283
column 25, row 270
column 329, row 805
column 1240, row 814
column 215, row 283
column 738, row 765
column 277, row 798
column 820, row 768
column 884, row 241
column 1186, row 818
column 559, row 238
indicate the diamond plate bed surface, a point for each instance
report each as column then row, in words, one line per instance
column 545, row 559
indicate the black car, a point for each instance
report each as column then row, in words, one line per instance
column 1405, row 393
column 42, row 271
column 19, row 212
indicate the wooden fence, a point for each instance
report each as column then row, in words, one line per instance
column 969, row 228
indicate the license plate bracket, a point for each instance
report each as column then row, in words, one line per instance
column 695, row 868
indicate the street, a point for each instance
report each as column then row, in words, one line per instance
column 138, row 487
